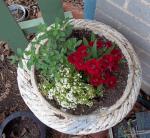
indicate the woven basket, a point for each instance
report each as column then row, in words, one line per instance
column 99, row 120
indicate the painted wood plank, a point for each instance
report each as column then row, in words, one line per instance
column 51, row 9
column 31, row 23
column 68, row 14
column 9, row 29
column 143, row 123
column 89, row 9
column 35, row 22
column 30, row 26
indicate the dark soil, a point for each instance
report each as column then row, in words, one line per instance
column 110, row 96
column 22, row 127
column 10, row 99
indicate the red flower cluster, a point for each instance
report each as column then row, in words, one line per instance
column 77, row 58
column 98, row 70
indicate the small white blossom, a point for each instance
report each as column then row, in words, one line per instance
column 70, row 91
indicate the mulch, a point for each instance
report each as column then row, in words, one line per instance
column 32, row 5
column 10, row 99
column 76, row 3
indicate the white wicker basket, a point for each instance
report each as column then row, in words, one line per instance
column 99, row 120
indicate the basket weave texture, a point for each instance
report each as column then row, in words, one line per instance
column 99, row 120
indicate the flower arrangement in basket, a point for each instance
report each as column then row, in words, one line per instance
column 77, row 71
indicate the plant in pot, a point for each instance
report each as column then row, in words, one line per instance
column 81, row 74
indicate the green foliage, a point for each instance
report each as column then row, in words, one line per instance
column 85, row 42
column 108, row 50
column 52, row 54
column 99, row 90
column 123, row 60
column 93, row 37
column 17, row 58
column 71, row 44
column 94, row 50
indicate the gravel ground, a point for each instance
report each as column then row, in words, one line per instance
column 32, row 5
column 76, row 3
column 34, row 11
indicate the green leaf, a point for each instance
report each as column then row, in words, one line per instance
column 123, row 61
column 108, row 51
column 55, row 33
column 20, row 64
column 93, row 37
column 62, row 34
column 79, row 42
column 94, row 50
column 99, row 90
column 27, row 53
column 68, row 31
column 101, row 51
column 42, row 28
column 85, row 42
column 62, row 39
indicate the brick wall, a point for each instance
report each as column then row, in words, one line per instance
column 131, row 18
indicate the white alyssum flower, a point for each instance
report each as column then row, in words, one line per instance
column 69, row 90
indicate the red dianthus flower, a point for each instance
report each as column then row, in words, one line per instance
column 82, row 50
column 99, row 44
column 80, row 66
column 91, row 43
column 96, row 81
column 92, row 67
column 108, row 44
column 102, row 64
column 74, row 57
column 117, row 55
column 111, row 81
